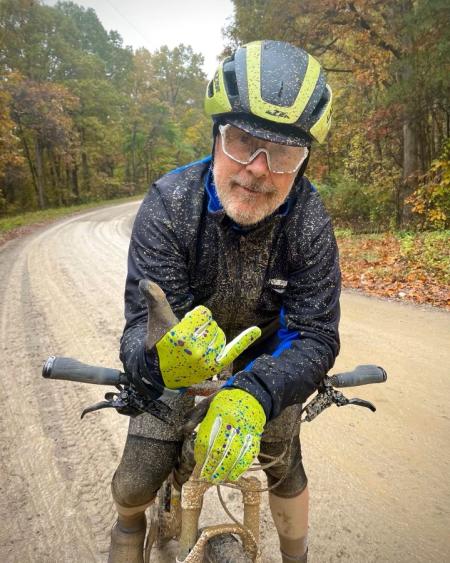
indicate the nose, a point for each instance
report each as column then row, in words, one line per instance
column 259, row 166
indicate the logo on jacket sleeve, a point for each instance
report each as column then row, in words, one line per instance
column 279, row 286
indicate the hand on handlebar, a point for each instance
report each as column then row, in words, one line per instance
column 228, row 438
column 195, row 349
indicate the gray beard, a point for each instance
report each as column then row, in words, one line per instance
column 255, row 216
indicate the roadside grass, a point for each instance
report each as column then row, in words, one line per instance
column 405, row 265
column 10, row 227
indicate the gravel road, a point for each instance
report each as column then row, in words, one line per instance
column 380, row 483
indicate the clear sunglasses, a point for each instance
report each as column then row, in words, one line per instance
column 243, row 148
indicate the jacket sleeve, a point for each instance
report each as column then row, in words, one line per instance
column 156, row 254
column 309, row 339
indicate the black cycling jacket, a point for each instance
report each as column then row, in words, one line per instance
column 282, row 275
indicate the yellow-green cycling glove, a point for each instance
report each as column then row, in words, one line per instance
column 195, row 349
column 228, row 438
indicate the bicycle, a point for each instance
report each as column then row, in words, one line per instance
column 175, row 514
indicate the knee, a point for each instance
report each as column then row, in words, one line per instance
column 287, row 477
column 130, row 489
column 144, row 466
column 291, row 485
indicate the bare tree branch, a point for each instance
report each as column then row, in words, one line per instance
column 321, row 49
column 337, row 69
column 366, row 25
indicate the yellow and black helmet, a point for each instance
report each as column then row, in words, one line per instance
column 274, row 91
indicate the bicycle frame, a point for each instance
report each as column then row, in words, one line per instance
column 127, row 401
column 192, row 546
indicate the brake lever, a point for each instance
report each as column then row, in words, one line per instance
column 129, row 402
column 327, row 395
column 362, row 403
column 101, row 405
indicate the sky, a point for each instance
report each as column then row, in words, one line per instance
column 153, row 23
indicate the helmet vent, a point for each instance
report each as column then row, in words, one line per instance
column 320, row 107
column 231, row 83
column 210, row 89
column 229, row 75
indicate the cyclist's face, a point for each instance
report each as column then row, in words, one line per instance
column 249, row 192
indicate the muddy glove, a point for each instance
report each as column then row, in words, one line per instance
column 195, row 349
column 229, row 436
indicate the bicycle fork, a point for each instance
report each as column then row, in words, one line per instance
column 192, row 547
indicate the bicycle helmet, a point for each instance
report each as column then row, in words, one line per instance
column 274, row 91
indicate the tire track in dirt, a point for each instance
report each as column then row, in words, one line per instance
column 32, row 451
column 93, row 469
column 72, row 505
column 379, row 483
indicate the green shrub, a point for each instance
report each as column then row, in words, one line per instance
column 355, row 206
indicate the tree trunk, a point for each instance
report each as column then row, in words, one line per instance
column 410, row 170
column 74, row 182
column 68, row 187
column 85, row 172
column 39, row 173
column 410, row 137
column 133, row 154
column 56, row 180
column 28, row 156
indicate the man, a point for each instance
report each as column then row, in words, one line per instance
column 236, row 240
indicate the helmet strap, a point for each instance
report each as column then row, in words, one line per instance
column 303, row 167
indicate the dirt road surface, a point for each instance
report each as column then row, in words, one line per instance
column 380, row 483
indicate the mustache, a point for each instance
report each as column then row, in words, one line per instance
column 258, row 187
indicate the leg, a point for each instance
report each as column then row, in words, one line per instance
column 290, row 516
column 288, row 499
column 145, row 464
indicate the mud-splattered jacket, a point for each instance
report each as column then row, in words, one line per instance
column 282, row 275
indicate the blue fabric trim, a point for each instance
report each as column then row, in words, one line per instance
column 229, row 382
column 286, row 207
column 283, row 318
column 204, row 160
column 313, row 187
column 286, row 337
column 214, row 204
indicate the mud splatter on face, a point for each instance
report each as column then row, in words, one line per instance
column 249, row 193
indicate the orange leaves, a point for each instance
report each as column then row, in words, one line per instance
column 46, row 109
column 431, row 200
column 382, row 120
column 410, row 267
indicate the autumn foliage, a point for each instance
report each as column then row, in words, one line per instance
column 406, row 266
column 388, row 65
column 82, row 117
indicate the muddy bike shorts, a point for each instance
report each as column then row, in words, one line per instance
column 148, row 460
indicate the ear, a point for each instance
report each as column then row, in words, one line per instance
column 161, row 318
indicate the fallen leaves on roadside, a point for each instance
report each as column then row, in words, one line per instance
column 387, row 266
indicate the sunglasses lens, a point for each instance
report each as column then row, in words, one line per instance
column 241, row 147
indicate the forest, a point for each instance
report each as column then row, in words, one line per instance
column 84, row 117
